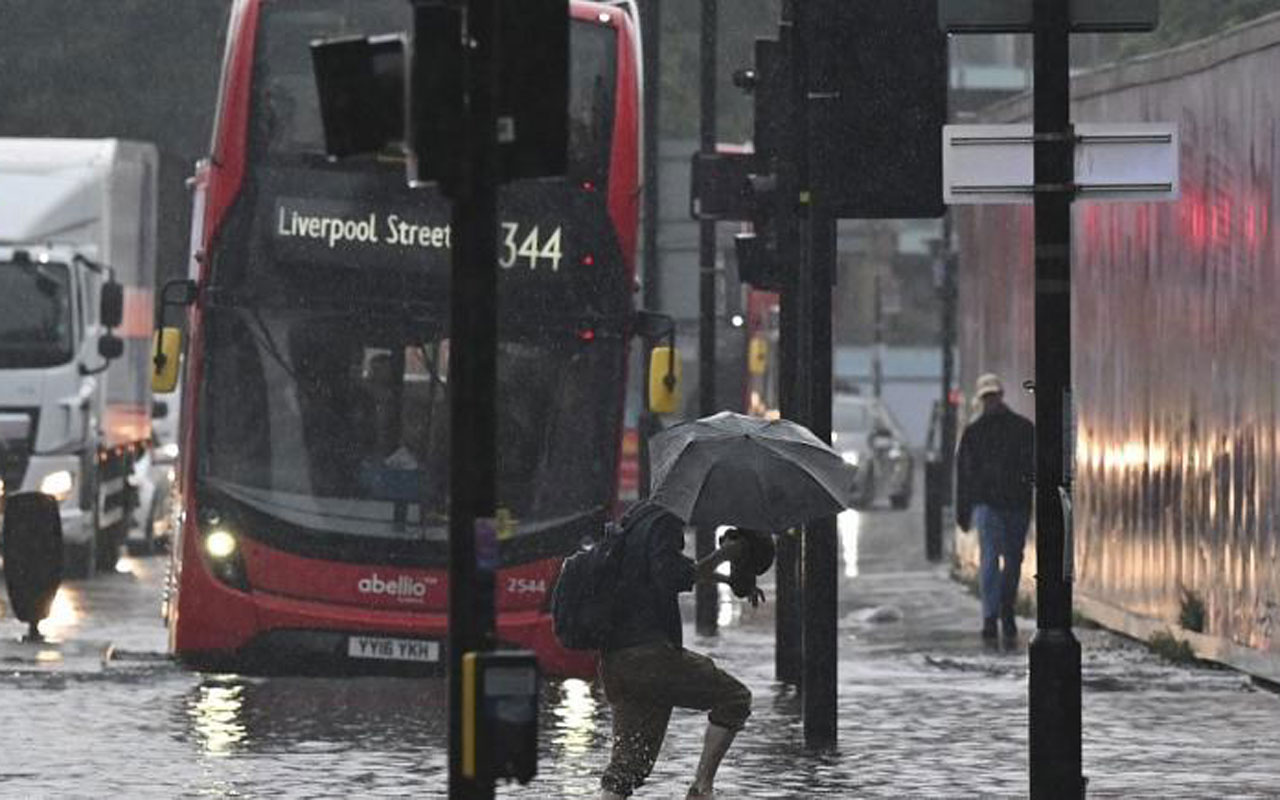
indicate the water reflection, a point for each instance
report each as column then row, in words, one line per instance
column 575, row 723
column 339, row 714
column 216, row 717
column 849, row 527
column 65, row 613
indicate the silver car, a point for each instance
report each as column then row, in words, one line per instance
column 866, row 434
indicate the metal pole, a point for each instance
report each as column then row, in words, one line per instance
column 819, row 102
column 705, row 595
column 820, row 553
column 473, row 379
column 1055, row 716
column 651, row 30
column 789, row 621
column 948, row 439
column 877, row 352
column 652, row 33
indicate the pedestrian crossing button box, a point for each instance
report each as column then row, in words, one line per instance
column 500, row 716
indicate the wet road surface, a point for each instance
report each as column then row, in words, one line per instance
column 924, row 708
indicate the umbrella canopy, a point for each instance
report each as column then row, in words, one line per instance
column 730, row 469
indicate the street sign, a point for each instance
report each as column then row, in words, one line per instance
column 1014, row 16
column 995, row 163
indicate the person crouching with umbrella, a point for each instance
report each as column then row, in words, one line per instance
column 645, row 669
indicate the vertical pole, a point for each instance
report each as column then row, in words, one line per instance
column 652, row 32
column 1055, row 724
column 948, row 438
column 877, row 352
column 820, row 99
column 820, row 553
column 789, row 621
column 473, row 325
column 705, row 595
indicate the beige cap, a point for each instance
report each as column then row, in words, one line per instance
column 989, row 384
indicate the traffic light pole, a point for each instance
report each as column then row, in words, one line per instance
column 948, row 291
column 820, row 553
column 705, row 595
column 651, row 28
column 819, row 101
column 1055, row 713
column 473, row 373
column 792, row 398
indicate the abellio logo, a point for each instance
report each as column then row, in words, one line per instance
column 404, row 588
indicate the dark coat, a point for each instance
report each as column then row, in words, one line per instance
column 654, row 573
column 995, row 464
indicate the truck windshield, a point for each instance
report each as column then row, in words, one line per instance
column 338, row 422
column 35, row 315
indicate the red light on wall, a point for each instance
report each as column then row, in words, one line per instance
column 588, row 260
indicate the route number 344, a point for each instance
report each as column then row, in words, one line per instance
column 528, row 247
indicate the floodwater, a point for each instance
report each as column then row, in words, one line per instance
column 924, row 709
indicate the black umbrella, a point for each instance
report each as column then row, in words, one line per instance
column 730, row 469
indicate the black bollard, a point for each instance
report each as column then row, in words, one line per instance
column 933, row 492
column 32, row 556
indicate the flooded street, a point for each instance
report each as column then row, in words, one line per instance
column 925, row 709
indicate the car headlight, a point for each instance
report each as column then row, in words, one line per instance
column 896, row 453
column 850, row 457
column 58, row 484
column 168, row 452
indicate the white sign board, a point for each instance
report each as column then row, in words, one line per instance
column 994, row 163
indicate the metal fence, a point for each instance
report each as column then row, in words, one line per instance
column 1176, row 324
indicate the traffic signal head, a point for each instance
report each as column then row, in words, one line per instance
column 360, row 81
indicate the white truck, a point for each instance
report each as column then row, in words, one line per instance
column 77, row 271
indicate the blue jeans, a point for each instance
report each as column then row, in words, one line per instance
column 1002, row 535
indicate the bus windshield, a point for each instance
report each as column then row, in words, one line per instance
column 287, row 107
column 340, row 421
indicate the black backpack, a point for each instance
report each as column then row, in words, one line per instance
column 584, row 597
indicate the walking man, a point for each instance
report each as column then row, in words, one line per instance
column 644, row 667
column 993, row 491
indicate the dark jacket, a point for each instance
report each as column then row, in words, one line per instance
column 995, row 464
column 654, row 573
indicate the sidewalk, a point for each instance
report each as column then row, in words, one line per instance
column 927, row 709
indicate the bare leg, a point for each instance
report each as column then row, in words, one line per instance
column 714, row 745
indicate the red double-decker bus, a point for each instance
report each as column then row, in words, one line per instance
column 315, row 423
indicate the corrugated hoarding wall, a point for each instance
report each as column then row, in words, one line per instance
column 1176, row 343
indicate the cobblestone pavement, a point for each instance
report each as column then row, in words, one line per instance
column 924, row 708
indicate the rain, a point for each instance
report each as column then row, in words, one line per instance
column 762, row 377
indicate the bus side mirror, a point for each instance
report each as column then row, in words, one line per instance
column 664, row 380
column 111, row 304
column 166, row 352
column 758, row 355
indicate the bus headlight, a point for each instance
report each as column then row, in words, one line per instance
column 223, row 558
column 58, row 484
column 220, row 544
